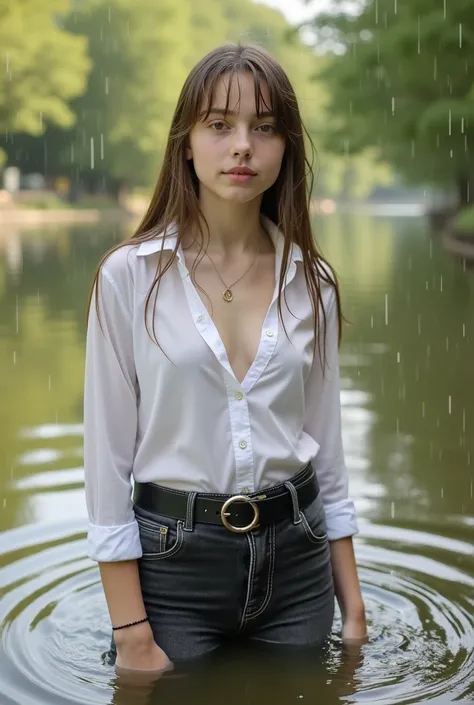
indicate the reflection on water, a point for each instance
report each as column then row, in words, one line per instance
column 408, row 431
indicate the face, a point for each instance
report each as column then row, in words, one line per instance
column 238, row 139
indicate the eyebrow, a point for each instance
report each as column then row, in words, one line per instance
column 222, row 111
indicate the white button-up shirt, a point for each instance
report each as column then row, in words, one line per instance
column 186, row 422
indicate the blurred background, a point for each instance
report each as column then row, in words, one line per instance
column 386, row 89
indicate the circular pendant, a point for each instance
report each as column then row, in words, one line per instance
column 227, row 295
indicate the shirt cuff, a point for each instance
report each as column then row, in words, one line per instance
column 114, row 543
column 341, row 519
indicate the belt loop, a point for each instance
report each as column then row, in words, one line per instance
column 294, row 501
column 189, row 523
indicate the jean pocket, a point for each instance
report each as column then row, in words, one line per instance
column 313, row 522
column 159, row 539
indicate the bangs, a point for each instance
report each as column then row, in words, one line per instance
column 231, row 76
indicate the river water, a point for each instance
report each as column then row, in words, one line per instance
column 408, row 414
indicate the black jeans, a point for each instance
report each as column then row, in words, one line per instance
column 203, row 584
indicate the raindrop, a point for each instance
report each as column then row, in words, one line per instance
column 444, row 9
column 435, row 68
column 423, row 410
column 92, row 152
column 449, row 404
column 464, row 420
column 462, row 126
column 392, row 510
column 398, row 357
column 441, row 283
column 102, row 146
column 371, row 321
column 14, row 357
column 442, row 493
column 460, row 35
column 386, row 309
column 450, row 122
column 395, row 6
column 17, row 315
column 463, row 330
column 447, row 344
column 393, row 105
column 419, row 37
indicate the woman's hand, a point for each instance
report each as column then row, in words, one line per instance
column 139, row 654
column 144, row 657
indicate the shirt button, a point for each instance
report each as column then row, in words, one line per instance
column 245, row 490
column 243, row 444
column 238, row 395
column 200, row 318
column 269, row 333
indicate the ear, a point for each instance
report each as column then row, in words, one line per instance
column 189, row 154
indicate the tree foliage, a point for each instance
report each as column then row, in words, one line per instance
column 44, row 66
column 403, row 85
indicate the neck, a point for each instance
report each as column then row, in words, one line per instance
column 234, row 228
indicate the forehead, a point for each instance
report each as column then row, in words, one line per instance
column 239, row 92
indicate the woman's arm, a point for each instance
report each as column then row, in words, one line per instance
column 347, row 588
column 323, row 423
column 110, row 430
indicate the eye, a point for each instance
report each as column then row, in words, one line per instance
column 263, row 128
column 217, row 125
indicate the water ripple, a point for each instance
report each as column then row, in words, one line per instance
column 418, row 588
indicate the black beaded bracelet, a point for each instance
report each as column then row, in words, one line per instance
column 123, row 626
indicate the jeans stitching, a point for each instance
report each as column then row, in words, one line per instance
column 171, row 551
column 271, row 570
column 188, row 526
column 309, row 533
column 251, row 543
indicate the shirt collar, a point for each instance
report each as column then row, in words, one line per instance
column 150, row 247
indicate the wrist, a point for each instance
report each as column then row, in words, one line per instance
column 354, row 612
column 135, row 636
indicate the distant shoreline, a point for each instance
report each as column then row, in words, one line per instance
column 36, row 216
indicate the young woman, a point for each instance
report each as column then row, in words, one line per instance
column 212, row 378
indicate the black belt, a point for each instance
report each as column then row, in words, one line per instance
column 238, row 513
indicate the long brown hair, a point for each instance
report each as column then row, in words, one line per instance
column 175, row 201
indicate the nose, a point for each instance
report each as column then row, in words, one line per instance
column 242, row 145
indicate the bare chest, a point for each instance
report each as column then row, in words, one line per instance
column 238, row 322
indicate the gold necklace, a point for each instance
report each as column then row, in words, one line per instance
column 227, row 294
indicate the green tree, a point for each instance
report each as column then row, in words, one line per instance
column 44, row 66
column 403, row 86
column 138, row 52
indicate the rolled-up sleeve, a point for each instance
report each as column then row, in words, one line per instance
column 110, row 426
column 323, row 424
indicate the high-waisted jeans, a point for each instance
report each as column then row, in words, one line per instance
column 204, row 585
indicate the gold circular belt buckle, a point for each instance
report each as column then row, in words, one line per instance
column 225, row 514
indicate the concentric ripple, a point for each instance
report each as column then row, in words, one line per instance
column 420, row 609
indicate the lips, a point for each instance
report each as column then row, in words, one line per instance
column 242, row 170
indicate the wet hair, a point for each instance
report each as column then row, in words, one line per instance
column 175, row 200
